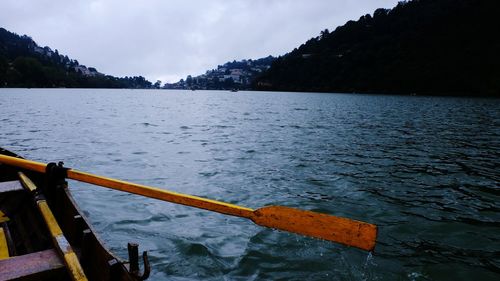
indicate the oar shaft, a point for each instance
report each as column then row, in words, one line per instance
column 148, row 191
column 161, row 194
column 23, row 163
column 346, row 231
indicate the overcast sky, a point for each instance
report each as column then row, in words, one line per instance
column 169, row 39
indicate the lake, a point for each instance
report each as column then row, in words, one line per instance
column 424, row 169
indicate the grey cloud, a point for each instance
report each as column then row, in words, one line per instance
column 168, row 40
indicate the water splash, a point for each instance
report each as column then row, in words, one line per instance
column 366, row 272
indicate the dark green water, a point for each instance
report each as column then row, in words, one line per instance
column 424, row 169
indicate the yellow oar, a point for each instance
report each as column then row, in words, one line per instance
column 341, row 230
column 70, row 259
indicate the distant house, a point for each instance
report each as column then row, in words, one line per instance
column 39, row 50
column 48, row 52
column 86, row 71
column 264, row 84
column 236, row 78
column 238, row 72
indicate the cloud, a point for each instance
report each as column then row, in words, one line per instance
column 168, row 40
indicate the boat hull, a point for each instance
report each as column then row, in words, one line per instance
column 28, row 239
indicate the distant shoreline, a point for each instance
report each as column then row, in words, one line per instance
column 278, row 92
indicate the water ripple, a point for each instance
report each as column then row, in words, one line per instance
column 425, row 169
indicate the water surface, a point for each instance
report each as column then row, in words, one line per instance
column 424, row 169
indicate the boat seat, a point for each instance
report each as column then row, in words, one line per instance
column 8, row 186
column 43, row 265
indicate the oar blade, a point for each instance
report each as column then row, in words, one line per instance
column 341, row 230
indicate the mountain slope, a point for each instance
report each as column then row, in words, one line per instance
column 25, row 64
column 445, row 47
column 231, row 75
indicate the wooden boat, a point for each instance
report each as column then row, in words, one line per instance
column 44, row 236
column 29, row 249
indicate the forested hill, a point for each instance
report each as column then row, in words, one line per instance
column 25, row 64
column 437, row 47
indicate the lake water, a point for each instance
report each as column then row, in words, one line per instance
column 424, row 169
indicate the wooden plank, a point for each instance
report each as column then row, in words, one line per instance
column 8, row 238
column 60, row 242
column 3, row 217
column 31, row 265
column 4, row 248
column 8, row 186
column 24, row 232
column 26, row 182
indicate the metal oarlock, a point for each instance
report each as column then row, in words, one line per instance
column 133, row 256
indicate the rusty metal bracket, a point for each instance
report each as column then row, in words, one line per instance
column 56, row 175
column 133, row 255
column 57, row 170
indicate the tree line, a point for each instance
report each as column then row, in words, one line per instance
column 25, row 64
column 445, row 47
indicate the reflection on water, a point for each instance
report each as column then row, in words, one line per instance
column 424, row 169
